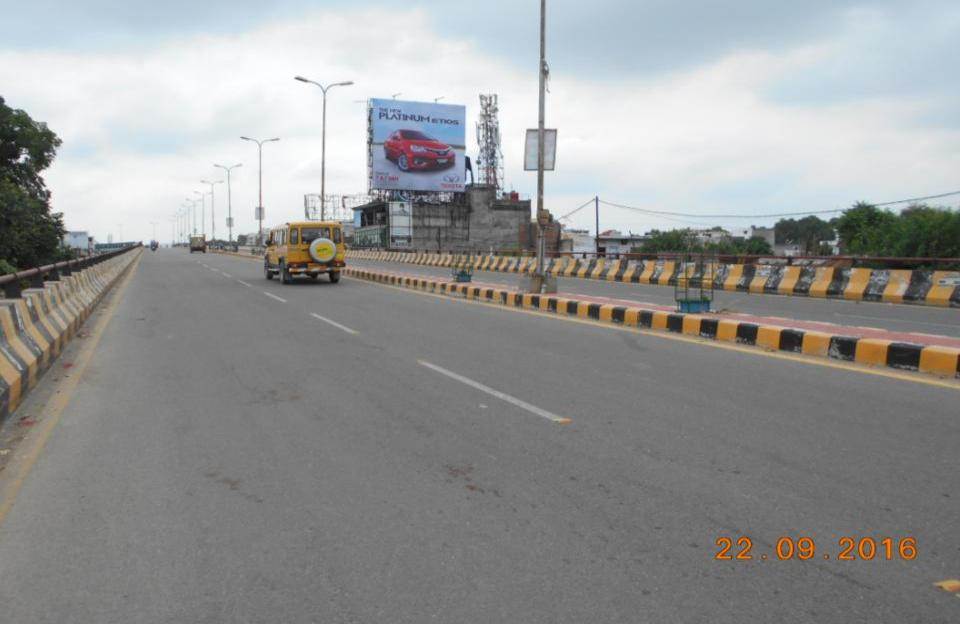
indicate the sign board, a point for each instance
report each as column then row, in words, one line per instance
column 417, row 146
column 229, row 222
column 401, row 224
column 531, row 146
column 258, row 213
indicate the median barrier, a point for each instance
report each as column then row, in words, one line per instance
column 935, row 359
column 36, row 326
column 922, row 287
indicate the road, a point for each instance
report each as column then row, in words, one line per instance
column 244, row 451
column 893, row 317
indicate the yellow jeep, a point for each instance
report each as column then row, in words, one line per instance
column 305, row 248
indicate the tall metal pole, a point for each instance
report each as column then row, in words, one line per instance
column 541, row 243
column 259, row 143
column 596, row 208
column 323, row 161
column 213, row 216
column 323, row 140
column 229, row 198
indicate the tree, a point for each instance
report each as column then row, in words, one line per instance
column 864, row 229
column 29, row 234
column 807, row 232
column 671, row 240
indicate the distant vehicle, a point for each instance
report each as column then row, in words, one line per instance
column 154, row 245
column 305, row 248
column 198, row 243
column 412, row 150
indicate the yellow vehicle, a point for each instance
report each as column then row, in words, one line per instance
column 305, row 248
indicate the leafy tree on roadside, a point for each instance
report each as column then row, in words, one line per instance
column 29, row 234
column 807, row 232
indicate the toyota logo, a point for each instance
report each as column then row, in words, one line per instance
column 451, row 178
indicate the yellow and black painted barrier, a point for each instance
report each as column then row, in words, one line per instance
column 932, row 359
column 35, row 327
column 924, row 287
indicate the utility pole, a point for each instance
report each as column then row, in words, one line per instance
column 213, row 216
column 229, row 199
column 323, row 141
column 260, row 143
column 540, row 282
column 596, row 208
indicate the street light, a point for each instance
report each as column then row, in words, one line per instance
column 260, row 180
column 192, row 215
column 229, row 198
column 437, row 99
column 394, row 96
column 203, row 214
column 213, row 216
column 323, row 132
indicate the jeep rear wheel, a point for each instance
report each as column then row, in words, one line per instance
column 267, row 272
column 285, row 276
column 334, row 277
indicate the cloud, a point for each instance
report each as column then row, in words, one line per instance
column 142, row 126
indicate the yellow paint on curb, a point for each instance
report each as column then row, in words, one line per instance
column 53, row 410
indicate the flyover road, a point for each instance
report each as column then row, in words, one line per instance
column 238, row 450
column 893, row 317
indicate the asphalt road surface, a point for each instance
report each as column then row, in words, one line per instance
column 893, row 317
column 244, row 451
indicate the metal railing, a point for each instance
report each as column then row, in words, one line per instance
column 12, row 283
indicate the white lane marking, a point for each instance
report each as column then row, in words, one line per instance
column 879, row 318
column 500, row 395
column 272, row 296
column 334, row 323
column 245, row 284
column 225, row 274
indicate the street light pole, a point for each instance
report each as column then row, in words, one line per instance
column 229, row 199
column 213, row 216
column 203, row 214
column 260, row 181
column 540, row 125
column 323, row 141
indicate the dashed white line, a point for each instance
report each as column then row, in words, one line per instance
column 272, row 296
column 245, row 284
column 500, row 395
column 225, row 274
column 334, row 323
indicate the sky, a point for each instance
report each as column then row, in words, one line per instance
column 702, row 107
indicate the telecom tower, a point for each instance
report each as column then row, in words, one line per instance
column 490, row 160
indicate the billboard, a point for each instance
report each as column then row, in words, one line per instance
column 401, row 226
column 417, row 146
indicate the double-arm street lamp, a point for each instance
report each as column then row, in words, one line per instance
column 323, row 140
column 260, row 143
column 229, row 199
column 213, row 216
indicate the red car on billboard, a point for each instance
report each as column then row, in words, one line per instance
column 412, row 150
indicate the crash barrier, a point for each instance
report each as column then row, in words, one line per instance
column 36, row 323
column 917, row 286
column 933, row 359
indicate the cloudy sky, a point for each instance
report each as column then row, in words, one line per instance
column 705, row 107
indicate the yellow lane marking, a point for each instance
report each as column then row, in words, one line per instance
column 53, row 410
column 729, row 346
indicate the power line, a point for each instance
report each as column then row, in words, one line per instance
column 764, row 216
column 588, row 202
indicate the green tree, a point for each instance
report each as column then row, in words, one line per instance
column 29, row 234
column 807, row 232
column 865, row 229
column 670, row 240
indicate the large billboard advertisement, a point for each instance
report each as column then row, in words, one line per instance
column 417, row 146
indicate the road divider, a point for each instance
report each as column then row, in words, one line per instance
column 924, row 287
column 35, row 327
column 934, row 359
